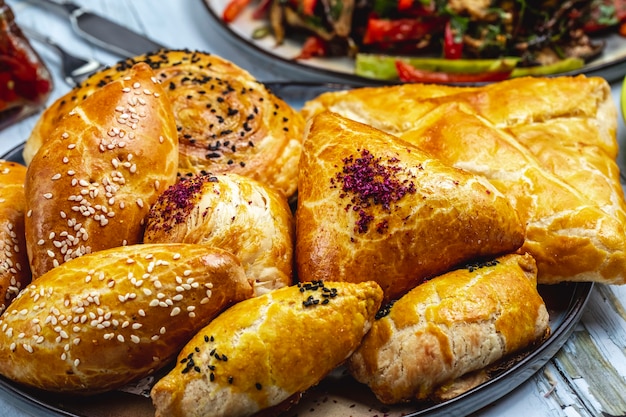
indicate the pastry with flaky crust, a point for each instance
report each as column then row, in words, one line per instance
column 549, row 144
column 227, row 121
column 513, row 102
column 573, row 235
column 263, row 351
column 373, row 207
column 453, row 324
column 232, row 212
column 14, row 269
column 102, row 320
column 91, row 184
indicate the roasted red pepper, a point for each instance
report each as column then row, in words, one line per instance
column 408, row 73
column 397, row 30
column 233, row 9
column 313, row 46
column 452, row 42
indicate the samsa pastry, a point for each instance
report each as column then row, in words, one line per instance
column 92, row 183
column 227, row 121
column 373, row 207
column 100, row 321
column 232, row 212
column 573, row 235
column 14, row 268
column 453, row 324
column 265, row 351
column 548, row 144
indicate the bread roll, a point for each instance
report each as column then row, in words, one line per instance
column 232, row 212
column 227, row 121
column 91, row 184
column 14, row 269
column 264, row 351
column 568, row 233
column 102, row 320
column 458, row 322
column 372, row 207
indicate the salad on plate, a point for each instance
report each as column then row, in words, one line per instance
column 443, row 41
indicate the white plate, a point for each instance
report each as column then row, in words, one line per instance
column 611, row 64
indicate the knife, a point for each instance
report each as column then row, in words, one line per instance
column 101, row 31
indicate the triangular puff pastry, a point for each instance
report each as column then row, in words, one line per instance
column 373, row 207
column 549, row 144
column 568, row 233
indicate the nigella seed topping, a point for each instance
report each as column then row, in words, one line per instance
column 326, row 293
column 384, row 311
column 477, row 265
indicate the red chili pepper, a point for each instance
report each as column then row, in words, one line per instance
column 452, row 44
column 233, row 9
column 313, row 46
column 385, row 30
column 405, row 4
column 308, row 7
column 409, row 74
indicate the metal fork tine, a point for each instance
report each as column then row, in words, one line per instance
column 75, row 69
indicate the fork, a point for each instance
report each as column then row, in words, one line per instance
column 75, row 69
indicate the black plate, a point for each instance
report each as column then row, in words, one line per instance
column 611, row 64
column 338, row 394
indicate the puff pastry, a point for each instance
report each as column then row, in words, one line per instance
column 265, row 350
column 569, row 234
column 91, row 184
column 102, row 320
column 455, row 323
column 232, row 212
column 14, row 268
column 550, row 146
column 227, row 121
column 373, row 207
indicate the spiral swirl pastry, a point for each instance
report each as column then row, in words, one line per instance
column 227, row 121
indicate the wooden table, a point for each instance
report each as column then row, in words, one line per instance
column 587, row 377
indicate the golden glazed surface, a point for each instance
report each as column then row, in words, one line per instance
column 14, row 269
column 548, row 144
column 453, row 324
column 91, row 184
column 263, row 351
column 232, row 212
column 227, row 121
column 102, row 320
column 373, row 207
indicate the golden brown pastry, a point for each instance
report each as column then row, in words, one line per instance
column 232, row 212
column 227, row 121
column 458, row 322
column 373, row 207
column 14, row 269
column 568, row 233
column 513, row 102
column 264, row 351
column 102, row 320
column 91, row 184
column 550, row 144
